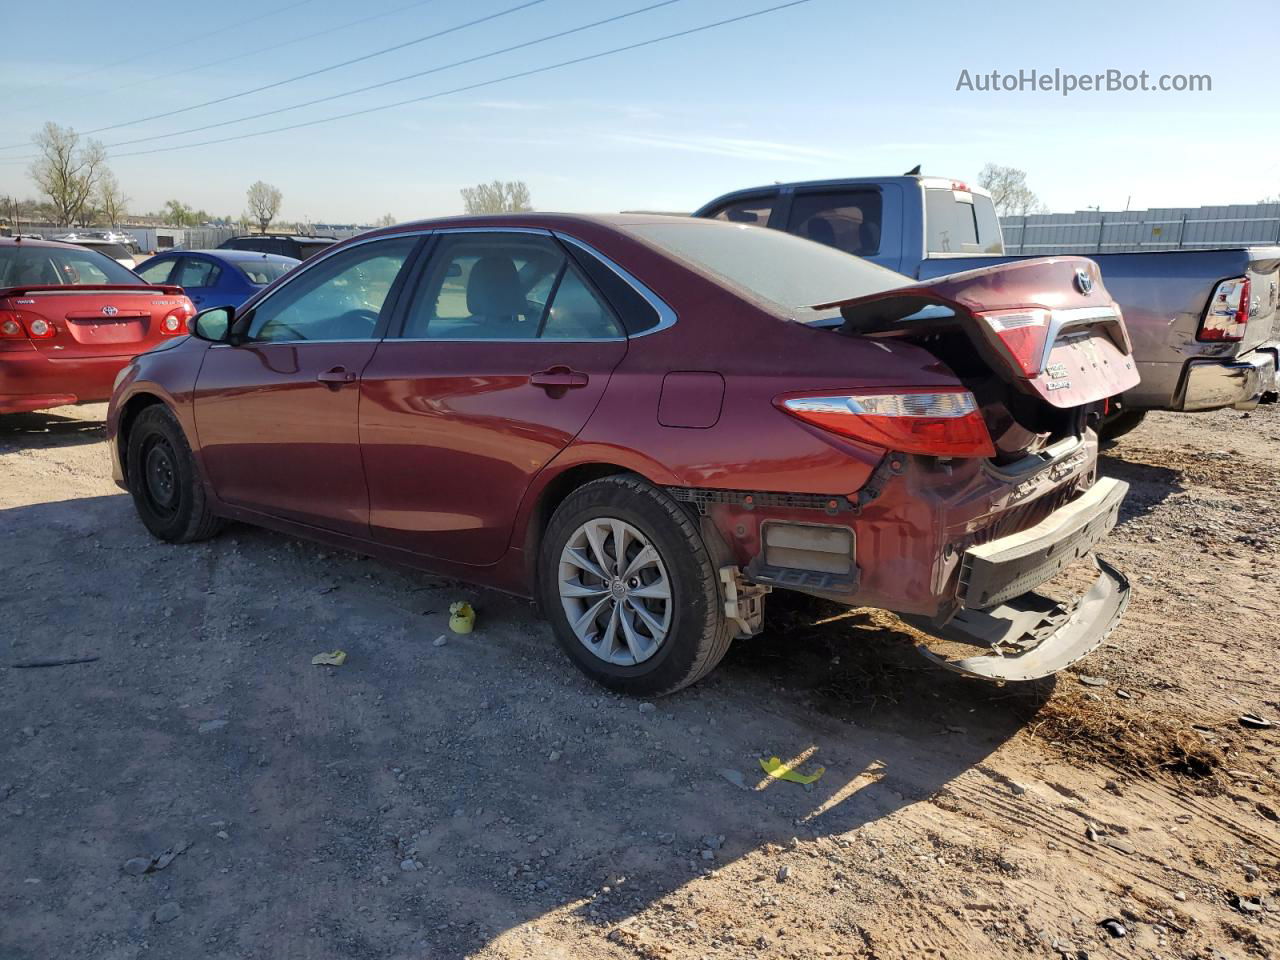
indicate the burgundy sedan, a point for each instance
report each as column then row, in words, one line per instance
column 648, row 423
column 70, row 319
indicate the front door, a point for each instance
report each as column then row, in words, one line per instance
column 277, row 415
column 505, row 351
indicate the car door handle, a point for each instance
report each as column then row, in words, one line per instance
column 558, row 378
column 336, row 377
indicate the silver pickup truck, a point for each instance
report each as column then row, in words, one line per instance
column 1203, row 322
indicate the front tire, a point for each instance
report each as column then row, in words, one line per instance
column 630, row 588
column 164, row 481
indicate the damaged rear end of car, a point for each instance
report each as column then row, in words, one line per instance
column 988, row 489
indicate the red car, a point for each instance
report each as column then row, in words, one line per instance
column 649, row 422
column 70, row 319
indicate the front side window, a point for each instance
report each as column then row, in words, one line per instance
column 197, row 273
column 47, row 266
column 751, row 210
column 493, row 286
column 341, row 298
column 848, row 220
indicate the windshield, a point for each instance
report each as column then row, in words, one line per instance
column 48, row 266
column 262, row 272
column 770, row 264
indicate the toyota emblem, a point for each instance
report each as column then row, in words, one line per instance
column 1084, row 282
column 109, row 311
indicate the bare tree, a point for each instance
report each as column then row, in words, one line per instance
column 1009, row 191
column 264, row 204
column 66, row 172
column 386, row 220
column 497, row 197
column 111, row 199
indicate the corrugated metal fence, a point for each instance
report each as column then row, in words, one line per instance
column 1124, row 231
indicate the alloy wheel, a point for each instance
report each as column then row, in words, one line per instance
column 615, row 591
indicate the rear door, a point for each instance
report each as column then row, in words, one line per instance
column 277, row 415
column 863, row 220
column 505, row 351
column 198, row 276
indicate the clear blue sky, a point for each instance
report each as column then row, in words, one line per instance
column 829, row 88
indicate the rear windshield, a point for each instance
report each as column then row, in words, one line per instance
column 306, row 249
column 960, row 222
column 770, row 264
column 47, row 266
column 116, row 251
column 265, row 271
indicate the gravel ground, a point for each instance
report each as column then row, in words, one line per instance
column 202, row 790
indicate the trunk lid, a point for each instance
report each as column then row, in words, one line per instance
column 107, row 320
column 1038, row 342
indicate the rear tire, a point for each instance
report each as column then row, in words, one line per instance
column 164, row 481
column 647, row 626
column 1124, row 422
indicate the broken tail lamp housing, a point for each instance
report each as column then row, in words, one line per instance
column 1227, row 316
column 937, row 422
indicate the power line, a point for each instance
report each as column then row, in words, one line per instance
column 483, row 83
column 238, row 25
column 169, row 75
column 311, row 73
column 387, row 83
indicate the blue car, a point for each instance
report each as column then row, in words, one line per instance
column 216, row 278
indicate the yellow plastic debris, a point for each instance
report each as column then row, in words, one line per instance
column 461, row 617
column 781, row 771
column 335, row 659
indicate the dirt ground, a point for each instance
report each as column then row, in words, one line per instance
column 480, row 798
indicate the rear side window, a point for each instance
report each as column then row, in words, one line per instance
column 49, row 266
column 637, row 313
column 959, row 222
column 848, row 220
column 751, row 210
column 197, row 273
column 506, row 287
column 262, row 272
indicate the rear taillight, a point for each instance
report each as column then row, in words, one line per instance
column 13, row 327
column 939, row 422
column 40, row 329
column 1228, row 313
column 1023, row 334
column 175, row 321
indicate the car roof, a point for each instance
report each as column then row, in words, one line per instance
column 300, row 237
column 28, row 242
column 232, row 256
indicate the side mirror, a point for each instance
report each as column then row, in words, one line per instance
column 213, row 324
